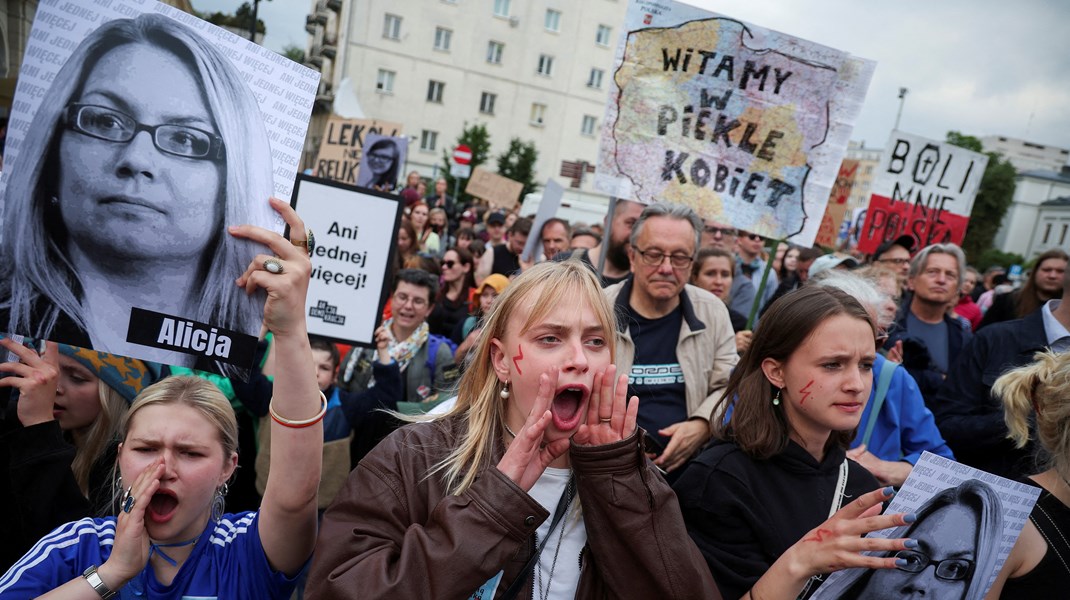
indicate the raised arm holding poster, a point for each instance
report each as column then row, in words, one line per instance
column 343, row 144
column 923, row 188
column 745, row 125
column 356, row 237
column 967, row 523
column 138, row 134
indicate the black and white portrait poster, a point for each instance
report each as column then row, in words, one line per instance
column 382, row 163
column 356, row 237
column 138, row 134
column 968, row 521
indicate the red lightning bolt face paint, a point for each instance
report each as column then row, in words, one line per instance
column 805, row 393
column 518, row 357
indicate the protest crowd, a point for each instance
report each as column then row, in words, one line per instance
column 656, row 405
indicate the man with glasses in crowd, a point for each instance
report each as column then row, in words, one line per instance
column 676, row 342
column 895, row 255
column 723, row 237
column 749, row 263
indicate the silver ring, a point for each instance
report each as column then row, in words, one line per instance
column 600, row 420
column 128, row 500
column 272, row 265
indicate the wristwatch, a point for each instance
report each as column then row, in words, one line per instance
column 98, row 584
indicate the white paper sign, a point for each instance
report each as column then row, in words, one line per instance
column 552, row 193
column 356, row 237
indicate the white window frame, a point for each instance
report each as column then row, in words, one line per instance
column 391, row 26
column 603, row 35
column 495, row 50
column 486, row 103
column 589, row 125
column 384, row 81
column 552, row 22
column 501, row 8
column 594, row 79
column 546, row 65
column 538, row 114
column 428, row 140
column 443, row 39
column 435, row 90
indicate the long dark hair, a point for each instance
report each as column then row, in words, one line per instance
column 1029, row 298
column 757, row 426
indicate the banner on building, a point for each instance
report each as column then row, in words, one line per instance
column 497, row 190
column 343, row 143
column 746, row 125
column 356, row 238
column 922, row 188
column 829, row 233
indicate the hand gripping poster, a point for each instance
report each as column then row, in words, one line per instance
column 746, row 125
column 138, row 134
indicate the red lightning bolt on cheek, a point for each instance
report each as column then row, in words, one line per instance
column 516, row 359
column 805, row 393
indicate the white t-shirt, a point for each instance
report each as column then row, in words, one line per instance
column 566, row 573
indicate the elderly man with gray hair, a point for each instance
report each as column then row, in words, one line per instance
column 675, row 341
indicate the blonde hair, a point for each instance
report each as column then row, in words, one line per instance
column 539, row 289
column 102, row 432
column 1041, row 390
column 197, row 393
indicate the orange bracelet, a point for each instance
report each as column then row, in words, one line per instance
column 298, row 424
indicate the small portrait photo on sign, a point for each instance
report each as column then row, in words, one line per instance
column 382, row 162
column 146, row 145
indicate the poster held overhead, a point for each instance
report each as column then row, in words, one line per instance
column 383, row 160
column 746, row 125
column 138, row 134
column 500, row 192
column 923, row 188
column 356, row 238
column 829, row 233
column 343, row 144
column 552, row 193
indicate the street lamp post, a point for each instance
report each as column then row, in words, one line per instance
column 902, row 100
column 252, row 27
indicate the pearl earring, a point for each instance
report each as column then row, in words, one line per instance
column 505, row 391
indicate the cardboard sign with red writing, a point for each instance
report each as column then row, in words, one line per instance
column 829, row 232
column 923, row 188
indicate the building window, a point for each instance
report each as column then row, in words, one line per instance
column 538, row 114
column 392, row 27
column 494, row 52
column 553, row 20
column 602, row 37
column 428, row 140
column 384, row 83
column 486, row 103
column 546, row 65
column 434, row 91
column 589, row 124
column 501, row 8
column 595, row 78
column 1062, row 236
column 443, row 37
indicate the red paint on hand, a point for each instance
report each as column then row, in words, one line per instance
column 819, row 536
column 805, row 392
column 516, row 359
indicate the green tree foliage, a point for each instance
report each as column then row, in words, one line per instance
column 475, row 137
column 294, row 53
column 518, row 163
column 994, row 257
column 239, row 20
column 993, row 199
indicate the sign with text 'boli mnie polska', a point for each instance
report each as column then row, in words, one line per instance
column 746, row 125
column 138, row 134
column 922, row 188
column 356, row 237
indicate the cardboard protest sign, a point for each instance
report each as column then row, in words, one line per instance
column 497, row 190
column 356, row 237
column 552, row 193
column 382, row 162
column 746, row 125
column 138, row 133
column 829, row 232
column 922, row 188
column 342, row 145
column 967, row 518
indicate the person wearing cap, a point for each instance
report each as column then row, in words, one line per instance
column 896, row 255
column 505, row 258
column 466, row 334
column 828, row 262
column 58, row 458
column 495, row 228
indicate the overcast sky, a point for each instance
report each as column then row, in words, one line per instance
column 981, row 67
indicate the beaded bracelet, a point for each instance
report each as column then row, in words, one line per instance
column 298, row 424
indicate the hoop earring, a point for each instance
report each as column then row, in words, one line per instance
column 218, row 504
column 505, row 391
column 776, row 399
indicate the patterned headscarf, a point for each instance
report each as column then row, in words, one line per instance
column 128, row 376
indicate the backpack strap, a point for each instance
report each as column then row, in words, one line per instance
column 884, row 381
column 433, row 342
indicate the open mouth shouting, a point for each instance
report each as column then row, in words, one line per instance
column 568, row 406
column 162, row 506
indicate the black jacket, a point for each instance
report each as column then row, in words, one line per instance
column 970, row 419
column 916, row 358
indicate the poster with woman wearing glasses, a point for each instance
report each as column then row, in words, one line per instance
column 966, row 523
column 139, row 134
column 383, row 159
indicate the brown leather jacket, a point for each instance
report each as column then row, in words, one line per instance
column 393, row 532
